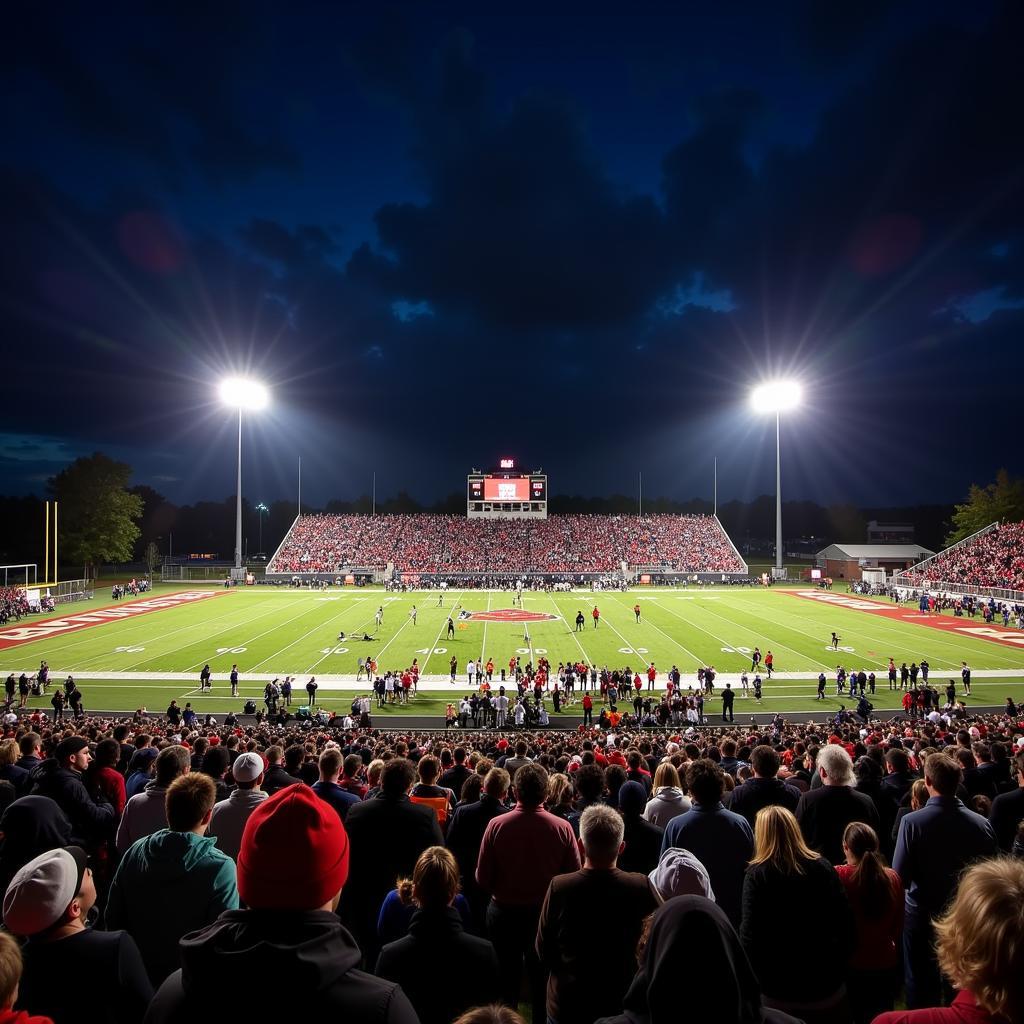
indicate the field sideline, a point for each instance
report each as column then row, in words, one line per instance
column 148, row 658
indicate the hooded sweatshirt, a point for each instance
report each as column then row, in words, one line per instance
column 315, row 963
column 168, row 884
column 30, row 826
column 666, row 804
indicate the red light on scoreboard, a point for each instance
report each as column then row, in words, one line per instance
column 513, row 489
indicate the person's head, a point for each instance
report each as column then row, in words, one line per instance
column 428, row 769
column 590, row 782
column 704, row 781
column 559, row 792
column 30, row 744
column 942, row 774
column 397, row 777
column 54, row 890
column 666, row 775
column 9, row 753
column 189, row 802
column 294, row 835
column 108, row 753
column 897, row 760
column 247, row 770
column 330, row 764
column 980, row 938
column 531, row 784
column 10, row 970
column 435, row 880
column 765, row 761
column 352, row 765
column 601, row 831
column 171, row 762
column 495, row 1013
column 835, row 766
column 632, row 800
column 275, row 754
column 73, row 753
column 918, row 794
column 496, row 783
column 779, row 842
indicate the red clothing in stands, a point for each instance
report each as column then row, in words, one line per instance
column 878, row 936
column 964, row 1010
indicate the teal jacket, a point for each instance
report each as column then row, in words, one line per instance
column 169, row 884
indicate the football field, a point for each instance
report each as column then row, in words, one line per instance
column 145, row 652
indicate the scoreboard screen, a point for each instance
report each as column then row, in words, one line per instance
column 476, row 488
column 511, row 489
column 538, row 488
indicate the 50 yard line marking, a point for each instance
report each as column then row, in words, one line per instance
column 483, row 643
column 321, row 625
column 558, row 609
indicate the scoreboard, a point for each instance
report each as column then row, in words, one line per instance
column 507, row 492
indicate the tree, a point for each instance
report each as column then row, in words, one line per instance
column 97, row 513
column 1001, row 501
column 152, row 557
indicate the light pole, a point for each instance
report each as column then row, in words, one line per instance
column 261, row 508
column 239, row 393
column 777, row 396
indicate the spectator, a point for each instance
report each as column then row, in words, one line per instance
column 10, row 976
column 599, row 898
column 30, row 826
column 875, row 893
column 227, row 822
column 455, row 776
column 934, row 845
column 721, row 840
column 728, row 991
column 104, row 776
column 72, row 973
column 436, row 939
column 668, row 800
column 30, row 744
column 328, row 788
column 492, row 1014
column 642, row 839
column 466, row 832
column 531, row 836
column 764, row 789
column 173, row 881
column 425, row 792
column 9, row 769
column 1008, row 808
column 292, row 866
column 824, row 813
column 786, row 873
column 679, row 873
column 146, row 813
column 60, row 778
column 979, row 939
column 349, row 781
column 388, row 834
column 275, row 777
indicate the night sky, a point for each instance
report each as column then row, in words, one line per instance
column 442, row 235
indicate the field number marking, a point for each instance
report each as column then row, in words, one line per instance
column 231, row 650
column 632, row 650
column 334, row 650
column 128, row 650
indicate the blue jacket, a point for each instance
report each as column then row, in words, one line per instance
column 168, row 884
column 723, row 842
column 934, row 845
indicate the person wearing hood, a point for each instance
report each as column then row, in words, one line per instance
column 436, row 937
column 643, row 840
column 292, row 866
column 60, row 778
column 668, row 800
column 146, row 812
column 679, row 873
column 173, row 881
column 728, row 992
column 28, row 827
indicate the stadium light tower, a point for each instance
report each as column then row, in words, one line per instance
column 777, row 396
column 261, row 508
column 241, row 394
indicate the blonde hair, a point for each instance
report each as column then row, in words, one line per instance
column 559, row 787
column 980, row 938
column 918, row 794
column 9, row 752
column 779, row 842
column 666, row 775
column 434, row 882
column 10, row 969
column 493, row 1014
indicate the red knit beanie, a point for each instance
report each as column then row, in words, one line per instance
column 294, row 853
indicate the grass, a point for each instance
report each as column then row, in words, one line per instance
column 151, row 658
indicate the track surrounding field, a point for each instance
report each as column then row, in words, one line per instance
column 139, row 658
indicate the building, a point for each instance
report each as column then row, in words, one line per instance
column 846, row 561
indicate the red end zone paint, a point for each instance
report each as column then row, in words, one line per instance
column 509, row 615
column 963, row 626
column 15, row 635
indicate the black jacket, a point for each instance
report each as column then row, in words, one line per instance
column 275, row 778
column 754, row 794
column 1006, row 814
column 824, row 814
column 442, row 970
column 642, row 845
column 386, row 838
column 260, row 964
column 93, row 819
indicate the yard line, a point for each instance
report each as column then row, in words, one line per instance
column 483, row 643
column 360, row 627
column 590, row 662
column 297, row 640
column 249, row 640
column 437, row 639
column 661, row 631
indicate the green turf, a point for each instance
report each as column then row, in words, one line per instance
column 280, row 632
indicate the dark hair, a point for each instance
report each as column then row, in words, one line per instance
column 108, row 753
column 531, row 784
column 764, row 761
column 898, row 760
column 29, row 743
column 590, row 781
column 189, row 799
column 330, row 762
column 397, row 776
column 868, row 876
column 944, row 773
column 704, row 781
column 170, row 763
column 352, row 765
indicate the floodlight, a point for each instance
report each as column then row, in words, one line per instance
column 776, row 396
column 241, row 393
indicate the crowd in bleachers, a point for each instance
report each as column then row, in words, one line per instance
column 995, row 559
column 13, row 604
column 155, row 872
column 559, row 544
